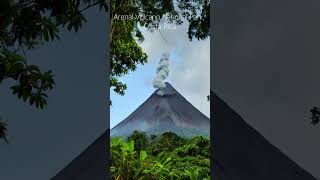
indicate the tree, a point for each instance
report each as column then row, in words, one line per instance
column 125, row 52
column 140, row 140
column 125, row 35
column 197, row 13
column 26, row 25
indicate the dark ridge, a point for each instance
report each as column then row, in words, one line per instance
column 244, row 154
column 91, row 164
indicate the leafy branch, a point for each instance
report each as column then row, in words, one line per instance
column 28, row 24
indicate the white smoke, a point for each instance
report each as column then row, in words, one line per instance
column 162, row 73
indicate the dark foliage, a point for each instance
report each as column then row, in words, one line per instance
column 3, row 131
column 26, row 25
column 197, row 13
column 315, row 112
column 140, row 140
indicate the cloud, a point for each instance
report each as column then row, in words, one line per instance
column 189, row 63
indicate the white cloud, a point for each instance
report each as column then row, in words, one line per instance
column 189, row 63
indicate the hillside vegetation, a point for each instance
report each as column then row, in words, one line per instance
column 166, row 156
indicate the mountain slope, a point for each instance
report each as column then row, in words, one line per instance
column 91, row 164
column 167, row 112
column 243, row 154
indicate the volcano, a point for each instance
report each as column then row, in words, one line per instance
column 239, row 151
column 91, row 164
column 242, row 153
column 163, row 112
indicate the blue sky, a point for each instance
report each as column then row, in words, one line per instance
column 189, row 72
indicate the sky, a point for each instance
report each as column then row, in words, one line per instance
column 189, row 71
column 266, row 67
column 42, row 142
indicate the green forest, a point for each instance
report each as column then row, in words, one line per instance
column 165, row 156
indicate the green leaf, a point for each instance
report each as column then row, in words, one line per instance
column 131, row 146
column 143, row 155
column 116, row 141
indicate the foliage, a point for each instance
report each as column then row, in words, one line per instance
column 197, row 13
column 31, row 82
column 167, row 142
column 123, row 157
column 177, row 159
column 3, row 131
column 140, row 140
column 26, row 25
column 125, row 35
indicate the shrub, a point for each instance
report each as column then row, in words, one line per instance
column 167, row 156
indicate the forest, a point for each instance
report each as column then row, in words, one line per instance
column 165, row 156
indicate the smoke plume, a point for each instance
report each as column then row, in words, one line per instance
column 162, row 73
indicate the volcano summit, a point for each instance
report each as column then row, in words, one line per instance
column 163, row 112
